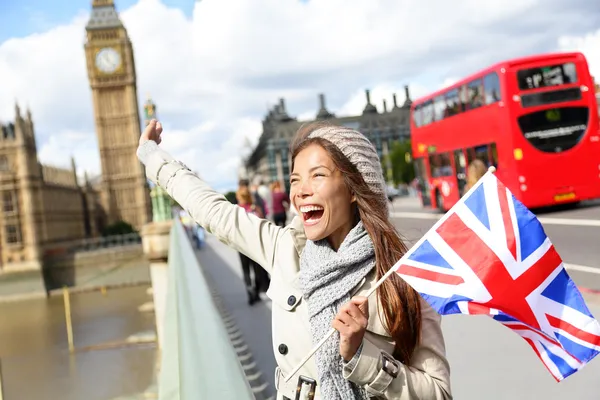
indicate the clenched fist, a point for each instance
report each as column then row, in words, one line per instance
column 152, row 132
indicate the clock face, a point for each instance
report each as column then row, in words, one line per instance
column 108, row 60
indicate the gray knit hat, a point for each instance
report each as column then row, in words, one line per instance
column 360, row 151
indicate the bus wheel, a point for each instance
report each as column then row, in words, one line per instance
column 439, row 201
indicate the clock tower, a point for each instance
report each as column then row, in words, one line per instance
column 111, row 72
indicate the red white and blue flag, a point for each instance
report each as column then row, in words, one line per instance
column 489, row 255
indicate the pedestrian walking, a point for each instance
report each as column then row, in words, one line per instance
column 279, row 203
column 256, row 278
column 322, row 263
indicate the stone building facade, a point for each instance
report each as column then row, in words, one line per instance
column 42, row 206
column 270, row 159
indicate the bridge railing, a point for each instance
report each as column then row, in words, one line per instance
column 91, row 244
column 198, row 360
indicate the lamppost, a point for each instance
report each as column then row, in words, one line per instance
column 160, row 199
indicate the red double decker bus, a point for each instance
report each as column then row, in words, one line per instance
column 535, row 119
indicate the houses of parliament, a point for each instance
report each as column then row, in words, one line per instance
column 43, row 207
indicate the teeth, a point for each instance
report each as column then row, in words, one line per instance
column 305, row 209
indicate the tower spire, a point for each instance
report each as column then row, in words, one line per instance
column 323, row 112
column 369, row 108
column 100, row 3
column 103, row 16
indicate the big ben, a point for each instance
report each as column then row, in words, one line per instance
column 111, row 72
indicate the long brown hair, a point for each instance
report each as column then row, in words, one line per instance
column 475, row 171
column 399, row 302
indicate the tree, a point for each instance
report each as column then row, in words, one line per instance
column 403, row 170
column 231, row 197
column 118, row 228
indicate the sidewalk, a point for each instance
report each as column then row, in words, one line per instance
column 222, row 267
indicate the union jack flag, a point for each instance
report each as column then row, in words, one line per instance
column 489, row 255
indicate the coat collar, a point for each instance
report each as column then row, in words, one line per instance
column 296, row 228
column 375, row 323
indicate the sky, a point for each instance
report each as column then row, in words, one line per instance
column 214, row 67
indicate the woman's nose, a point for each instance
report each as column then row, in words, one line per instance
column 305, row 189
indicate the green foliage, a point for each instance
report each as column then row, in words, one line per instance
column 174, row 203
column 118, row 228
column 231, row 197
column 403, row 170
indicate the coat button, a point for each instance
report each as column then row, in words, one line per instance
column 291, row 300
column 282, row 349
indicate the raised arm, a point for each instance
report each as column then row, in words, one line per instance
column 246, row 233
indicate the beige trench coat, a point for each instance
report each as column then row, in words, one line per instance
column 277, row 250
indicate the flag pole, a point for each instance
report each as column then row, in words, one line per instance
column 490, row 170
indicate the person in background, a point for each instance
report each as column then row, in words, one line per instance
column 280, row 204
column 475, row 172
column 187, row 222
column 251, row 271
column 257, row 198
column 265, row 194
column 199, row 236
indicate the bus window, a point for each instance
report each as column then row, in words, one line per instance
column 460, row 164
column 475, row 94
column 439, row 106
column 494, row 155
column 422, row 182
column 486, row 153
column 549, row 75
column 440, row 165
column 427, row 113
column 463, row 97
column 453, row 105
column 417, row 116
column 491, row 84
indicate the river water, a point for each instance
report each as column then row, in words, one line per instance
column 34, row 355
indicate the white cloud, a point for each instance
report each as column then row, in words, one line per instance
column 589, row 45
column 214, row 75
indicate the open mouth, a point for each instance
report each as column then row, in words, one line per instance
column 311, row 214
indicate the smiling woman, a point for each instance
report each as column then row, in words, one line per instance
column 320, row 193
column 321, row 265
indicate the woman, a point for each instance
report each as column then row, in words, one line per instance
column 321, row 264
column 280, row 203
column 254, row 276
column 475, row 171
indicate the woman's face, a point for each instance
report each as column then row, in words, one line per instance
column 321, row 197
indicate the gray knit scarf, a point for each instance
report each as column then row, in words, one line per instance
column 326, row 280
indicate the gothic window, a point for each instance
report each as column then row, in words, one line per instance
column 8, row 202
column 13, row 234
column 4, row 163
column 130, row 197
